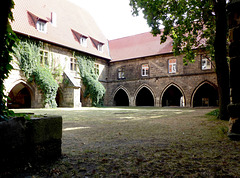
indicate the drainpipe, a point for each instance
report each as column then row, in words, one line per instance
column 234, row 54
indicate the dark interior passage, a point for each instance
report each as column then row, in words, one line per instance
column 59, row 98
column 121, row 98
column 172, row 97
column 144, row 98
column 206, row 95
column 19, row 97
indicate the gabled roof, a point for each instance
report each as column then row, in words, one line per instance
column 136, row 46
column 69, row 18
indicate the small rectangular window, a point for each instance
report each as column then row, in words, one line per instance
column 145, row 70
column 83, row 41
column 172, row 66
column 41, row 26
column 100, row 47
column 206, row 64
column 121, row 74
column 44, row 57
column 96, row 69
column 73, row 64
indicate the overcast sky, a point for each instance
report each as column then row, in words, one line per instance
column 114, row 17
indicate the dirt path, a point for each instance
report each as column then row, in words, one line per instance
column 142, row 142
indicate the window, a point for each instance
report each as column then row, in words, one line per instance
column 96, row 69
column 145, row 70
column 41, row 26
column 172, row 66
column 43, row 57
column 206, row 64
column 121, row 73
column 100, row 47
column 73, row 64
column 83, row 41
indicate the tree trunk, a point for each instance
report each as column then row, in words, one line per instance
column 222, row 68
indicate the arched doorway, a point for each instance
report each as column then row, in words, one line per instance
column 59, row 98
column 19, row 97
column 206, row 95
column 121, row 98
column 173, row 97
column 144, row 98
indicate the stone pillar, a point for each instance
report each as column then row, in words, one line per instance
column 234, row 54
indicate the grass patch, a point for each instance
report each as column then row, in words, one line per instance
column 214, row 114
column 142, row 142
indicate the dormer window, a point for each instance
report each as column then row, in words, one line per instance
column 100, row 47
column 83, row 41
column 41, row 26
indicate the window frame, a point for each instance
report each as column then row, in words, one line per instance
column 172, row 66
column 83, row 41
column 44, row 57
column 73, row 64
column 100, row 47
column 41, row 26
column 208, row 63
column 96, row 69
column 145, row 70
column 121, row 73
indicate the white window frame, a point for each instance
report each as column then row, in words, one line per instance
column 172, row 66
column 41, row 26
column 145, row 70
column 206, row 64
column 100, row 47
column 121, row 74
column 73, row 64
column 83, row 41
column 44, row 56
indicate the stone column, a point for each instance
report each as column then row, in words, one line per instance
column 234, row 54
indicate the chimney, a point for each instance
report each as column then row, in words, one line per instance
column 54, row 19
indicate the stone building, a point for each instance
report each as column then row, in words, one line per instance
column 135, row 70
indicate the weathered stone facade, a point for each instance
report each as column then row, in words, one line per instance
column 24, row 94
column 185, row 82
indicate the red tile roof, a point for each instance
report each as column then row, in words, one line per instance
column 70, row 19
column 141, row 45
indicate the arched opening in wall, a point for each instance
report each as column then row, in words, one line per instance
column 19, row 97
column 59, row 98
column 206, row 95
column 144, row 98
column 121, row 98
column 172, row 97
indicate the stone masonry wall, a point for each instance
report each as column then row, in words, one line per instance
column 186, row 79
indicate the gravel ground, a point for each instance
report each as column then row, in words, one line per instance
column 140, row 142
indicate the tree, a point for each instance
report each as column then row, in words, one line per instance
column 193, row 24
column 7, row 40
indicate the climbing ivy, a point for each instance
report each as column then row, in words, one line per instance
column 94, row 89
column 7, row 41
column 28, row 54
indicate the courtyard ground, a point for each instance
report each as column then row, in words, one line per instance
column 141, row 142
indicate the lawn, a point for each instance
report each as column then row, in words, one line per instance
column 141, row 142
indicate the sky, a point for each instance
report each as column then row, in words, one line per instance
column 114, row 17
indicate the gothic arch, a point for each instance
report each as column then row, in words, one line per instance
column 205, row 94
column 144, row 92
column 20, row 95
column 173, row 95
column 121, row 97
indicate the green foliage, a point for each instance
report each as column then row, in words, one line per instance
column 214, row 113
column 191, row 24
column 94, row 88
column 28, row 54
column 7, row 41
